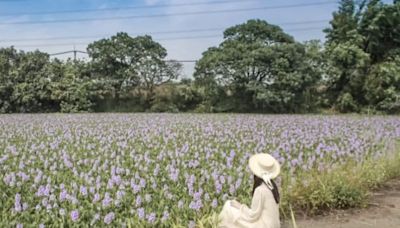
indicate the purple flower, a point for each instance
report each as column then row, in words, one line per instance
column 17, row 203
column 120, row 194
column 63, row 195
column 142, row 183
column 135, row 188
column 151, row 218
column 138, row 201
column 218, row 187
column 140, row 213
column 83, row 191
column 96, row 198
column 109, row 218
column 214, row 203
column 196, row 205
column 107, row 200
column 165, row 216
column 232, row 189
column 75, row 215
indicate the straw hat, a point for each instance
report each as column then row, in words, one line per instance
column 264, row 166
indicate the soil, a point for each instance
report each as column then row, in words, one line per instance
column 383, row 212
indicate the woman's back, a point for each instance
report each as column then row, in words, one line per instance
column 264, row 212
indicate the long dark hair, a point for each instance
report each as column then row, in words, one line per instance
column 258, row 181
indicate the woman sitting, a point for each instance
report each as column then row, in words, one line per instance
column 264, row 211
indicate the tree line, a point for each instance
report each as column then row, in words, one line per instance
column 257, row 68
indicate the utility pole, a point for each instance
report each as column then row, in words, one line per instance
column 75, row 54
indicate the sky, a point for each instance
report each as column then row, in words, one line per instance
column 21, row 22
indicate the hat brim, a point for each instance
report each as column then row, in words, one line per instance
column 256, row 169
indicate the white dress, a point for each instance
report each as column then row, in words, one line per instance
column 264, row 212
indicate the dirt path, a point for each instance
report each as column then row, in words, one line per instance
column 384, row 212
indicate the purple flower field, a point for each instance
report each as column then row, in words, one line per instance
column 161, row 169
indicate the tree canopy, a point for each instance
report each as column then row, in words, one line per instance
column 261, row 68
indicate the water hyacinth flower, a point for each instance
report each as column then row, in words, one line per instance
column 83, row 191
column 96, row 198
column 141, row 213
column 109, row 218
column 165, row 216
column 75, row 215
column 17, row 203
column 214, row 203
column 138, row 201
column 107, row 200
column 151, row 218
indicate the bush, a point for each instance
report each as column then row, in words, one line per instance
column 164, row 107
column 340, row 188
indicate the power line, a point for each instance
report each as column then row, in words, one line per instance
column 104, row 35
column 162, row 39
column 124, row 8
column 67, row 52
column 166, row 15
column 86, row 43
column 84, row 52
column 156, row 32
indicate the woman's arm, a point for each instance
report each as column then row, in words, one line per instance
column 253, row 214
column 236, row 204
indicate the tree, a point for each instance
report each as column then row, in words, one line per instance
column 382, row 86
column 260, row 67
column 380, row 26
column 347, row 69
column 362, row 45
column 344, row 25
column 131, row 64
column 31, row 83
column 72, row 88
column 8, row 59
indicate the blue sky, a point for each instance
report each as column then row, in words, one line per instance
column 182, row 49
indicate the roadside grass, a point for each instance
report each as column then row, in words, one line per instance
column 344, row 187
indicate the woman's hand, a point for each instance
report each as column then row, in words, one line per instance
column 236, row 204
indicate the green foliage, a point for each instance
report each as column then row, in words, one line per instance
column 25, row 82
column 362, row 50
column 257, row 67
column 132, row 63
column 382, row 86
column 72, row 89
